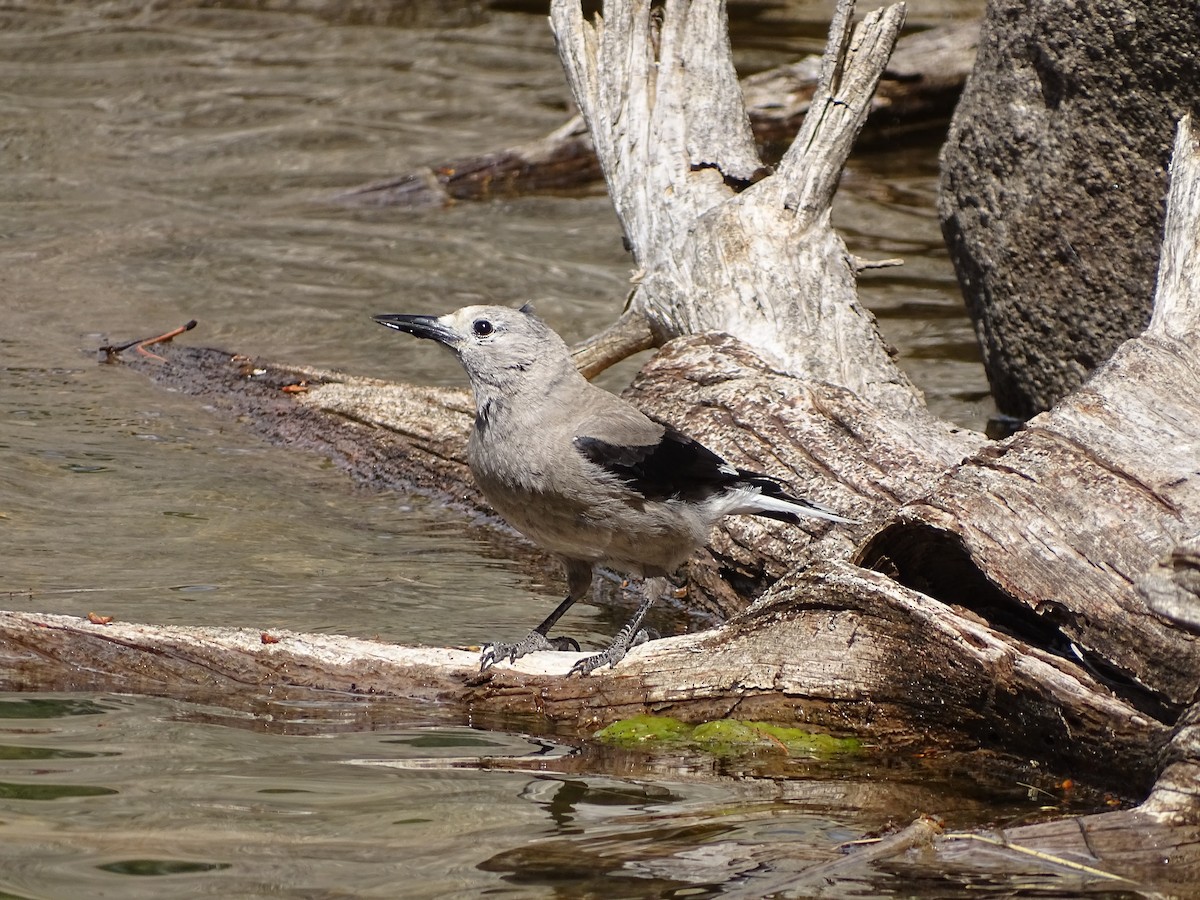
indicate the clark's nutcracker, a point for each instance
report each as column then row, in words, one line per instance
column 583, row 473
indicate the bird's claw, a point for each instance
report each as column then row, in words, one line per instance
column 531, row 643
column 610, row 657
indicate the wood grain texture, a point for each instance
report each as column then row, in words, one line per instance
column 722, row 243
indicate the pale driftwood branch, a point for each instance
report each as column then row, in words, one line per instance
column 1176, row 313
column 853, row 63
column 630, row 334
column 793, row 658
column 648, row 110
column 717, row 130
column 1171, row 587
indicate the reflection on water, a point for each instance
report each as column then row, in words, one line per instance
column 168, row 805
column 139, row 797
column 169, row 161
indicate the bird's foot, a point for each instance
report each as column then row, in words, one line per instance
column 531, row 643
column 613, row 655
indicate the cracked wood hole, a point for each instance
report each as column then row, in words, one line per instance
column 934, row 562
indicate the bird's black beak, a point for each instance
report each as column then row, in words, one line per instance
column 420, row 326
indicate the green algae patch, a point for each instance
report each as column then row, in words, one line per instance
column 636, row 731
column 724, row 737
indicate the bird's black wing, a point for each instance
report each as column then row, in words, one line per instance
column 675, row 467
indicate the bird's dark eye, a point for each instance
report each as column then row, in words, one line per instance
column 482, row 327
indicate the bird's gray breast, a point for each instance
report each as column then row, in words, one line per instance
column 531, row 478
column 537, row 480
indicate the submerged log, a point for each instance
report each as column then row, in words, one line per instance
column 1072, row 857
column 916, row 95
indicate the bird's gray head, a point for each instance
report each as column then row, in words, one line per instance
column 498, row 346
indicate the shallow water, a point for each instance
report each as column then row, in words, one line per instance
column 140, row 797
column 165, row 162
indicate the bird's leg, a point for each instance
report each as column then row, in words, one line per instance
column 629, row 636
column 579, row 579
column 532, row 642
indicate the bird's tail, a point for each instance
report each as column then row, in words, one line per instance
column 765, row 497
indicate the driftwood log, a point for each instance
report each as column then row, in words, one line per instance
column 916, row 96
column 1036, row 596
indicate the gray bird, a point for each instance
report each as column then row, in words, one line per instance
column 583, row 473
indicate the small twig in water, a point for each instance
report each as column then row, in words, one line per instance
column 1037, row 854
column 142, row 343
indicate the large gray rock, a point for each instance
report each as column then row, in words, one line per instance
column 1053, row 181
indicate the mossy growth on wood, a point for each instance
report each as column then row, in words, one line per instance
column 724, row 737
